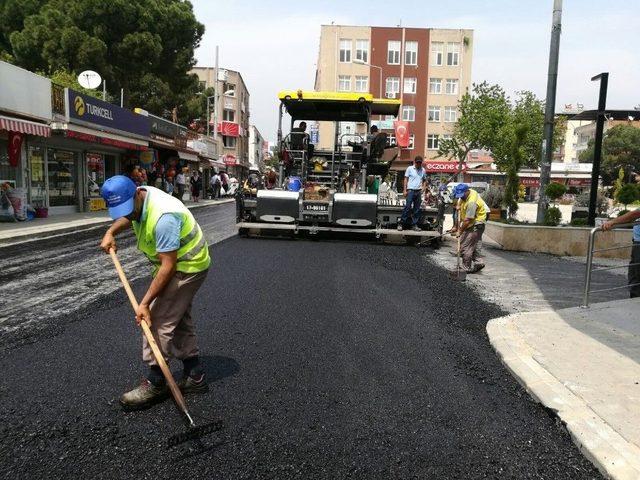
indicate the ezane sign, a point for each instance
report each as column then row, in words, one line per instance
column 92, row 112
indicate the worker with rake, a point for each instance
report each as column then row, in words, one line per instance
column 168, row 235
column 471, row 223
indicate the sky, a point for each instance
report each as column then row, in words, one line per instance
column 274, row 44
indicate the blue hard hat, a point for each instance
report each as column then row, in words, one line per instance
column 459, row 190
column 118, row 192
column 294, row 184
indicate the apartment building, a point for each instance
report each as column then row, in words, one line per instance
column 427, row 69
column 257, row 147
column 232, row 105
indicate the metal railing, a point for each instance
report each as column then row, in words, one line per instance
column 590, row 270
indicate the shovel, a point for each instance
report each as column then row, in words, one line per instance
column 459, row 274
column 193, row 432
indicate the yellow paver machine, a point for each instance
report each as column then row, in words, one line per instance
column 347, row 187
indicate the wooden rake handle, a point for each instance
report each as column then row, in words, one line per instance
column 175, row 391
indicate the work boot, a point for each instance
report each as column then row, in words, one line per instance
column 416, row 228
column 188, row 384
column 143, row 396
column 477, row 267
column 399, row 227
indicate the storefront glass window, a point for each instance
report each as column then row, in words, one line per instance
column 109, row 165
column 38, row 187
column 95, row 173
column 61, row 167
column 8, row 174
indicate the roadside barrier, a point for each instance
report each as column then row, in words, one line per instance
column 590, row 270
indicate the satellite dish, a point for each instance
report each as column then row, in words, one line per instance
column 89, row 79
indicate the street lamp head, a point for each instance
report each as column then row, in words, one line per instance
column 360, row 62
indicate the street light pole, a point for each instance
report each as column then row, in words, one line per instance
column 208, row 116
column 549, row 108
column 597, row 147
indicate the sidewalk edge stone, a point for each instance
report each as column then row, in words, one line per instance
column 612, row 454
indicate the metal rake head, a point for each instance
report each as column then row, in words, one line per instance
column 195, row 433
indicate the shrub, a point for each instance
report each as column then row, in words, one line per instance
column 493, row 197
column 555, row 190
column 602, row 204
column 627, row 194
column 552, row 217
column 579, row 222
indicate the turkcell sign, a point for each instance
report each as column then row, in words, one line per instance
column 90, row 111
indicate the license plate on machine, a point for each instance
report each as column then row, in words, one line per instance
column 316, row 207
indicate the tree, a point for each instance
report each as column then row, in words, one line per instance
column 145, row 47
column 554, row 191
column 620, row 149
column 482, row 113
column 70, row 80
column 627, row 194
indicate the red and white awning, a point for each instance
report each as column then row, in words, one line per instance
column 24, row 126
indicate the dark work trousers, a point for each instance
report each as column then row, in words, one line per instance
column 634, row 271
column 412, row 207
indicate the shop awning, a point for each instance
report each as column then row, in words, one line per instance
column 190, row 157
column 24, row 126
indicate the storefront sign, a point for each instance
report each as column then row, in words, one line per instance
column 86, row 110
column 229, row 159
column 229, row 129
column 24, row 93
column 85, row 137
column 530, row 182
column 14, row 147
column 443, row 167
column 383, row 124
column 315, row 134
column 579, row 182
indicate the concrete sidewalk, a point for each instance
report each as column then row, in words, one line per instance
column 584, row 364
column 18, row 232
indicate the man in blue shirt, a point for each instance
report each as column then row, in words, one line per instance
column 415, row 182
column 634, row 265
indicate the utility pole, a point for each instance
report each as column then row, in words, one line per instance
column 597, row 147
column 549, row 108
column 215, row 102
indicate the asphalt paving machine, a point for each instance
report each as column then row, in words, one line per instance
column 349, row 187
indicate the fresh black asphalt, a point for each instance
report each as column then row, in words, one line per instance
column 326, row 360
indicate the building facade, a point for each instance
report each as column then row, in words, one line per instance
column 232, row 105
column 256, row 149
column 427, row 69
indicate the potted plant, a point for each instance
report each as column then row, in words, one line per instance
column 494, row 198
column 580, row 208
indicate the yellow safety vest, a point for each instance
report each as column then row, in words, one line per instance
column 481, row 209
column 193, row 252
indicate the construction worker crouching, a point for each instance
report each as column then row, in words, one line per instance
column 169, row 236
column 472, row 218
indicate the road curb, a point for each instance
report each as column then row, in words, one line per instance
column 19, row 237
column 611, row 453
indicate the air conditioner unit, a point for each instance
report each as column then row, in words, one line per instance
column 391, row 95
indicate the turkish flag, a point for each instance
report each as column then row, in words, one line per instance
column 402, row 133
column 15, row 147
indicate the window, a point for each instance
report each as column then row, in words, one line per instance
column 362, row 83
column 362, row 51
column 412, row 142
column 435, row 85
column 393, row 52
column 229, row 142
column 437, row 54
column 228, row 115
column 451, row 87
column 411, row 53
column 345, row 51
column 453, row 54
column 450, row 114
column 409, row 113
column 344, row 83
column 432, row 141
column 392, row 87
column 434, row 114
column 391, row 139
column 410, row 85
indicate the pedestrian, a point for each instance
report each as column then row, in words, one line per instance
column 215, row 185
column 224, row 180
column 180, row 185
column 633, row 273
column 196, row 186
column 415, row 183
column 174, row 243
column 471, row 223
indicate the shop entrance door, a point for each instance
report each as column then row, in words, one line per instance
column 63, row 178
